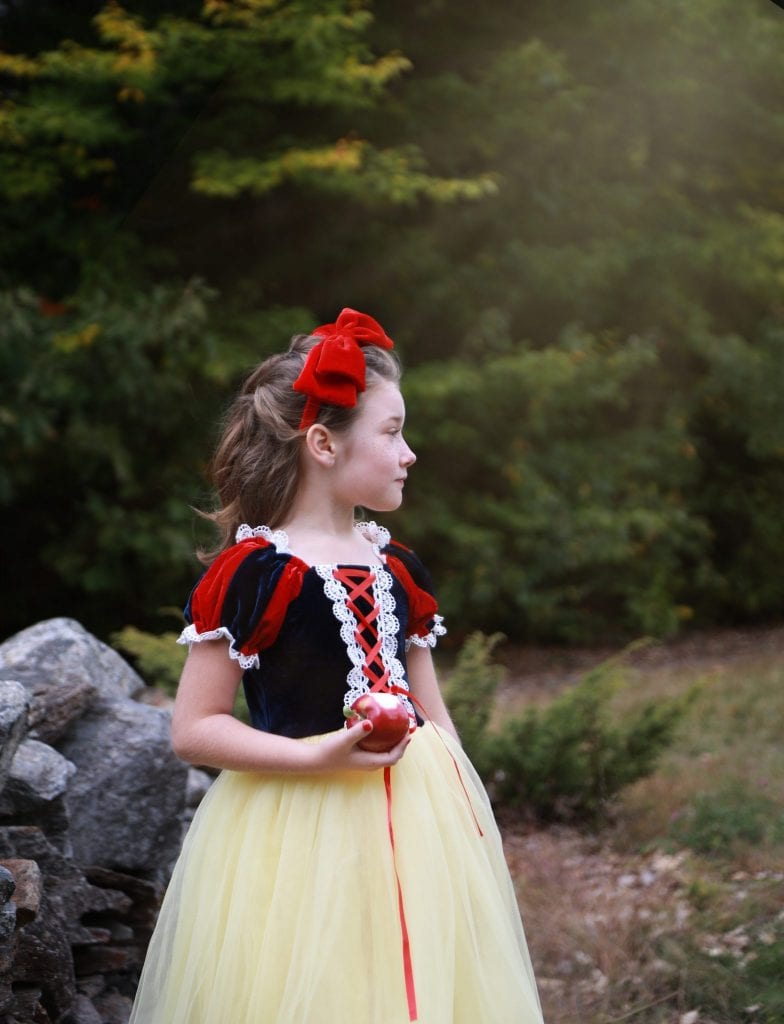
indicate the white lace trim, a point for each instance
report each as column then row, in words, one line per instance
column 190, row 635
column 387, row 625
column 379, row 537
column 431, row 638
column 277, row 537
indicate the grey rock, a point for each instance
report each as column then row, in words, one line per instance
column 28, row 888
column 66, row 671
column 35, row 790
column 26, row 1006
column 83, row 1012
column 14, row 708
column 7, row 922
column 7, row 939
column 114, row 1008
column 7, row 909
column 41, row 771
column 42, row 956
column 68, row 895
column 43, row 959
column 127, row 797
column 7, row 885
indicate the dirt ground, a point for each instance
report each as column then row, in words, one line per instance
column 539, row 672
column 594, row 916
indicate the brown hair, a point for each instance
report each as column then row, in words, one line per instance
column 255, row 468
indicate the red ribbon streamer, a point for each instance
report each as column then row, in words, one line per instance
column 411, row 697
column 408, row 967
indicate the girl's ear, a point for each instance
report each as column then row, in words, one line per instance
column 320, row 445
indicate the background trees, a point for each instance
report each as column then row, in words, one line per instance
column 570, row 221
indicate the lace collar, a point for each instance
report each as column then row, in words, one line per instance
column 378, row 536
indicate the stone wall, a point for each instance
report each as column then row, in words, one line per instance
column 92, row 805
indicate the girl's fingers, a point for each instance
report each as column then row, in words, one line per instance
column 356, row 733
column 348, row 741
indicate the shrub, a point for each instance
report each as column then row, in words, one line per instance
column 730, row 985
column 158, row 657
column 470, row 690
column 565, row 760
column 717, row 821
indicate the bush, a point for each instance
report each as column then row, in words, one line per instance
column 732, row 815
column 730, row 987
column 565, row 760
column 470, row 691
column 158, row 657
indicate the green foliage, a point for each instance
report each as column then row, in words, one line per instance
column 594, row 340
column 241, row 98
column 158, row 657
column 470, row 691
column 160, row 660
column 734, row 815
column 568, row 758
column 572, row 521
column 639, row 198
column 725, row 987
column 98, row 410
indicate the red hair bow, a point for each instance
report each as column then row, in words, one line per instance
column 334, row 372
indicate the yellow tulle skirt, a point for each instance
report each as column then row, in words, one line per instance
column 289, row 902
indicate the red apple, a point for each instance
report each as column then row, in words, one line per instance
column 388, row 716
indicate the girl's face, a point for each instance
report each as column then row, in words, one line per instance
column 373, row 457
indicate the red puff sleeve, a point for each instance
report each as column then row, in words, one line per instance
column 244, row 596
column 424, row 624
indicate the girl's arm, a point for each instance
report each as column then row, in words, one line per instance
column 205, row 732
column 424, row 685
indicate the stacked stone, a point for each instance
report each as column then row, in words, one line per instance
column 92, row 802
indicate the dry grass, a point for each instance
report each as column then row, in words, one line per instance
column 634, row 923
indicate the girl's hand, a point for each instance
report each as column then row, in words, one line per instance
column 341, row 751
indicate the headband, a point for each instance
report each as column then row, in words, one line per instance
column 334, row 372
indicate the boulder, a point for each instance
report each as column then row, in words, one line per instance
column 29, row 888
column 7, row 908
column 67, row 893
column 35, row 788
column 14, row 707
column 92, row 804
column 83, row 1012
column 65, row 670
column 127, row 798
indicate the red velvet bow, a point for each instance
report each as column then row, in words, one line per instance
column 334, row 371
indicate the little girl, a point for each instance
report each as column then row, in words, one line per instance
column 321, row 882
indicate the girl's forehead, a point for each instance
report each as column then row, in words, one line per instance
column 383, row 400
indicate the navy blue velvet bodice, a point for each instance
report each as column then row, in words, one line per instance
column 290, row 626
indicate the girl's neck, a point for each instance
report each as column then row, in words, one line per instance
column 326, row 535
column 320, row 517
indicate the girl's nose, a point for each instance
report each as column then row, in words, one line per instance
column 409, row 458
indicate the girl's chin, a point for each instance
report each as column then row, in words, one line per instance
column 382, row 506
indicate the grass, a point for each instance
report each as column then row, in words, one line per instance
column 673, row 911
